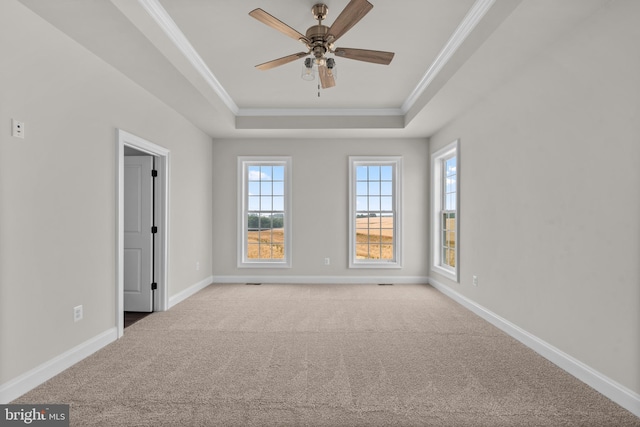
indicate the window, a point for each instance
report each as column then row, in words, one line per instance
column 445, row 166
column 264, row 204
column 374, row 212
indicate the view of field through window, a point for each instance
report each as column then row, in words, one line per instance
column 449, row 213
column 375, row 214
column 265, row 213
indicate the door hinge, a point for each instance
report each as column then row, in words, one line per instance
column 154, row 229
column 154, row 173
column 154, row 286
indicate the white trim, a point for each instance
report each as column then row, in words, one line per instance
column 164, row 21
column 162, row 18
column 321, row 112
column 243, row 162
column 161, row 298
column 396, row 161
column 411, row 280
column 20, row 385
column 436, row 207
column 620, row 394
column 468, row 24
column 190, row 291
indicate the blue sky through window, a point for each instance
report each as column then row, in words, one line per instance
column 374, row 189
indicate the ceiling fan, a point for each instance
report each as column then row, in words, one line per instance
column 320, row 40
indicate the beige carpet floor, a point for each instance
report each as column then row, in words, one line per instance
column 322, row 355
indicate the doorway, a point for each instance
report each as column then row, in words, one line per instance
column 133, row 150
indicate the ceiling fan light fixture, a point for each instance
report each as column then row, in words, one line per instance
column 308, row 72
column 332, row 69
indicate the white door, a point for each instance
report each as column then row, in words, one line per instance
column 138, row 238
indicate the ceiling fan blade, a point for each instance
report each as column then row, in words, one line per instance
column 352, row 13
column 281, row 61
column 277, row 24
column 326, row 80
column 375, row 56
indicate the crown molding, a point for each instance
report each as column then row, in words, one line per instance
column 164, row 21
column 470, row 21
column 313, row 112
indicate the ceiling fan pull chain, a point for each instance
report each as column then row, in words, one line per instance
column 318, row 90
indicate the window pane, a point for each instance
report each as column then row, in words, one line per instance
column 451, row 184
column 451, row 202
column 386, row 204
column 254, row 203
column 386, row 173
column 361, row 188
column 374, row 203
column 386, row 188
column 253, row 173
column 374, row 188
column 387, row 233
column 278, row 203
column 374, row 173
column 361, row 173
column 254, row 188
column 386, row 252
column 450, row 166
column 362, row 251
column 451, row 239
column 278, row 188
column 265, row 188
column 361, row 204
column 253, row 250
column 265, row 224
column 265, row 203
column 277, row 251
column 278, row 173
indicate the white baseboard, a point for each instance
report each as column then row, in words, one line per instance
column 29, row 380
column 191, row 290
column 323, row 279
column 620, row 394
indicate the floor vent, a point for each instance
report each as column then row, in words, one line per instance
column 385, row 284
column 253, row 284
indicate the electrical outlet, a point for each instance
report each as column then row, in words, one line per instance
column 327, row 261
column 475, row 280
column 197, row 265
column 77, row 313
column 17, row 128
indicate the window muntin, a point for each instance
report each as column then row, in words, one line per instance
column 445, row 164
column 264, row 230
column 374, row 216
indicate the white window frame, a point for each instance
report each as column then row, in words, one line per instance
column 396, row 162
column 437, row 205
column 244, row 162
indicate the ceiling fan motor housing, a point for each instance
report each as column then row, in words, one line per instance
column 319, row 11
column 317, row 35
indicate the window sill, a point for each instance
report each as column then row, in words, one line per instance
column 258, row 264
column 375, row 265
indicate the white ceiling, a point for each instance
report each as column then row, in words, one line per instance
column 198, row 56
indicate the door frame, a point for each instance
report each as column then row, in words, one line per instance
column 162, row 155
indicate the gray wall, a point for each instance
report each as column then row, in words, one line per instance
column 58, row 190
column 550, row 201
column 320, row 206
